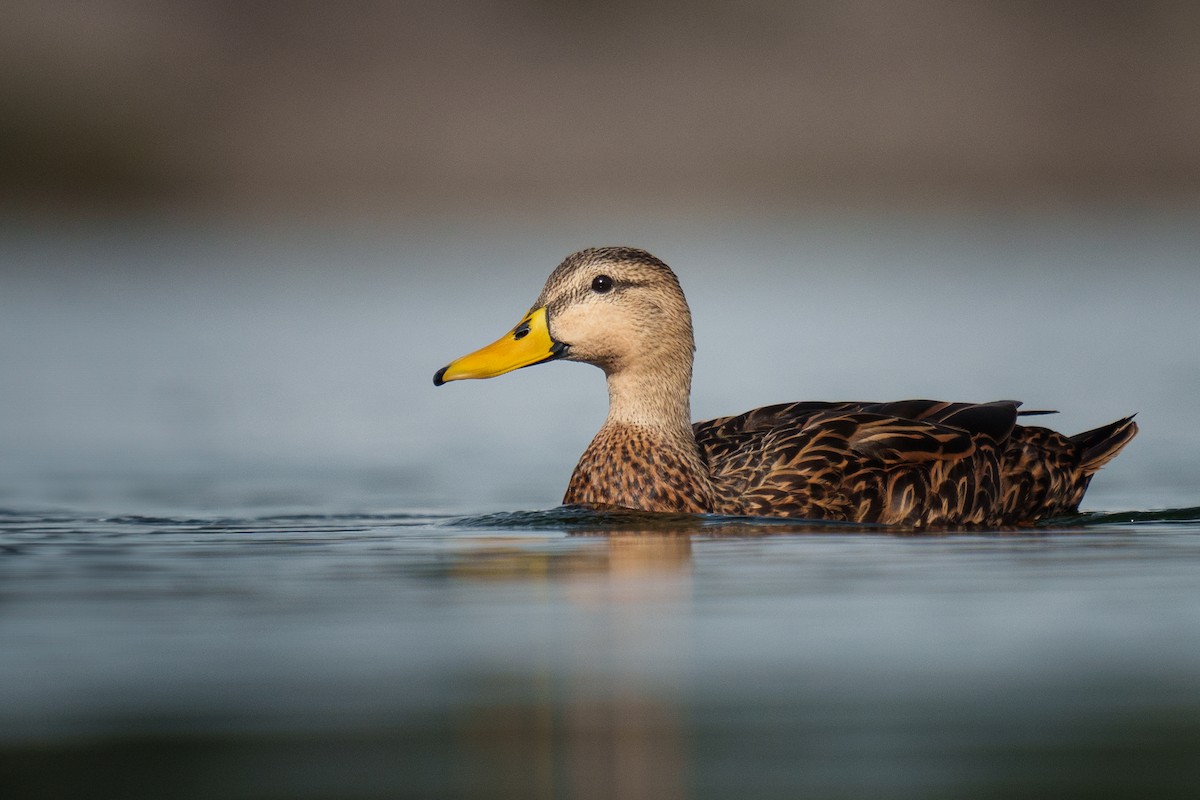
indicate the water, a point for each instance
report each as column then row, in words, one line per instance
column 549, row 654
column 247, row 549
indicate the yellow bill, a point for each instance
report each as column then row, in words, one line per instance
column 527, row 344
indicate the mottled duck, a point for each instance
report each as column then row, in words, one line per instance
column 914, row 463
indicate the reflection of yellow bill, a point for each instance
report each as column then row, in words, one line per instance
column 528, row 343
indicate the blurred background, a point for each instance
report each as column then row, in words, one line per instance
column 237, row 239
column 393, row 108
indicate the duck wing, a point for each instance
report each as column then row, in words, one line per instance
column 910, row 462
column 724, row 434
column 913, row 462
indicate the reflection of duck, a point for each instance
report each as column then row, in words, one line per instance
column 914, row 462
column 625, row 552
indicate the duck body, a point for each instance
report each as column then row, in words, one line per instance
column 913, row 463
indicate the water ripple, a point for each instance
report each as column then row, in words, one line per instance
column 568, row 519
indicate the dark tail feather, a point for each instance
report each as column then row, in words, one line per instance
column 1101, row 445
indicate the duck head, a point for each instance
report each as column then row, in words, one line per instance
column 616, row 307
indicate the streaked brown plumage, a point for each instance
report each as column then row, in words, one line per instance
column 915, row 463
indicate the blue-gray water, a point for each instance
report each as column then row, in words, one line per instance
column 248, row 550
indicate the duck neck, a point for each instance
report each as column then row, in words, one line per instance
column 655, row 400
column 645, row 456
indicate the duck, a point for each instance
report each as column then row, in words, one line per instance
column 911, row 463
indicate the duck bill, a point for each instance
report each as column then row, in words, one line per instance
column 527, row 344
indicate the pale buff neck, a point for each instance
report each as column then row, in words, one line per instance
column 654, row 397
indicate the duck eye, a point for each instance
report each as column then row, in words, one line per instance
column 602, row 284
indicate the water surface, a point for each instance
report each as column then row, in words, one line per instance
column 559, row 653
